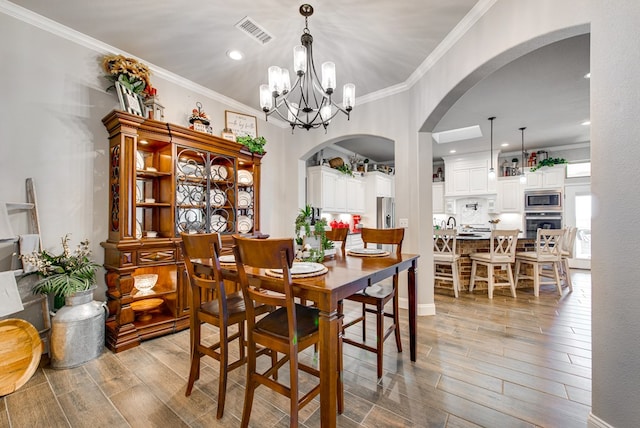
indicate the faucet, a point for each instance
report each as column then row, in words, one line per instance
column 453, row 225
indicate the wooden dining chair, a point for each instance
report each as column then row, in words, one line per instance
column 548, row 252
column 444, row 254
column 288, row 330
column 378, row 297
column 211, row 304
column 502, row 253
column 338, row 235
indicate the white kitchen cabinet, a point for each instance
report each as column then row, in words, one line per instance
column 469, row 175
column 510, row 195
column 334, row 192
column 379, row 184
column 438, row 198
column 546, row 178
column 355, row 191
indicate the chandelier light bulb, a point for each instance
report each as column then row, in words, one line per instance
column 349, row 96
column 265, row 98
column 275, row 77
column 300, row 59
column 328, row 76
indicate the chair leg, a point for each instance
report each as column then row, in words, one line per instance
column 490, row 280
column 557, row 276
column 293, row 381
column 379, row 335
column 472, row 280
column 456, row 278
column 536, row 279
column 250, row 386
column 567, row 273
column 517, row 272
column 340, row 385
column 396, row 312
column 512, row 283
column 224, row 363
column 194, row 371
column 364, row 322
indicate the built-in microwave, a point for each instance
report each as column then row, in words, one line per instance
column 543, row 200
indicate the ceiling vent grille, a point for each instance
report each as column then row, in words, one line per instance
column 254, row 30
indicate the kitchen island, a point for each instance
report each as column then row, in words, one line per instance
column 478, row 242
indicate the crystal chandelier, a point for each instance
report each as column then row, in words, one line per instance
column 308, row 103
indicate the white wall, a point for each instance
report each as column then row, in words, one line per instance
column 615, row 108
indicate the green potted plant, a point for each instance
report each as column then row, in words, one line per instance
column 548, row 162
column 255, row 145
column 64, row 274
column 313, row 242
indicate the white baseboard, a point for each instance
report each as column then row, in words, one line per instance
column 423, row 309
column 595, row 422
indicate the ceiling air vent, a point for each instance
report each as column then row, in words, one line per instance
column 254, row 30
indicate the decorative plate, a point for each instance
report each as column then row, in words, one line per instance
column 138, row 229
column 190, row 169
column 229, row 258
column 139, row 191
column 244, row 199
column 245, row 224
column 139, row 160
column 245, row 178
column 302, row 268
column 218, row 172
column 218, row 223
column 217, row 198
column 368, row 252
column 189, row 195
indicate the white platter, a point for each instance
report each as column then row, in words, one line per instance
column 245, row 178
column 229, row 258
column 139, row 191
column 367, row 251
column 138, row 229
column 302, row 268
column 219, row 172
column 244, row 199
column 218, row 223
column 190, row 169
column 217, row 198
column 245, row 224
column 139, row 160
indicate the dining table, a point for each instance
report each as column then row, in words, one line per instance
column 345, row 275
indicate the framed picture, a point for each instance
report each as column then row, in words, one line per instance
column 130, row 101
column 241, row 124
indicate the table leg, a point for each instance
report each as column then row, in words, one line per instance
column 328, row 329
column 413, row 309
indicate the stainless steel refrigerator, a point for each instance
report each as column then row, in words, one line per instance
column 385, row 213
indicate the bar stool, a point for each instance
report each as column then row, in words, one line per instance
column 444, row 253
column 502, row 252
column 548, row 252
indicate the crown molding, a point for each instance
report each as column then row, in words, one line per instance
column 102, row 48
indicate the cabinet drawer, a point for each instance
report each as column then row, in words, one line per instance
column 156, row 256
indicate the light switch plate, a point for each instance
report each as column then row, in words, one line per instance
column 403, row 222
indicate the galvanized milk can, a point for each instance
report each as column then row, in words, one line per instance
column 77, row 330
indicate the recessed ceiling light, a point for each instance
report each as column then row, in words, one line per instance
column 587, row 76
column 452, row 151
column 143, row 142
column 235, row 55
column 586, row 123
column 504, row 144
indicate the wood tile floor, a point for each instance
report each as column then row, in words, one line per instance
column 501, row 363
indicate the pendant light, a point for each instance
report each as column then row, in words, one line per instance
column 523, row 177
column 492, row 172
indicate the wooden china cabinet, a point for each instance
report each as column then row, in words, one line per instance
column 167, row 179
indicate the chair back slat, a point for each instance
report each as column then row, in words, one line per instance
column 204, row 246
column 503, row 244
column 265, row 254
column 338, row 235
column 384, row 236
column 569, row 240
column 444, row 241
column 549, row 243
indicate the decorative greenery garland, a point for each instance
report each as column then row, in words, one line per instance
column 548, row 162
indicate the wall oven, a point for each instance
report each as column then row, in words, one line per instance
column 543, row 200
column 541, row 220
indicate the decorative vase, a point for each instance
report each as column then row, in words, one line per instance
column 77, row 330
